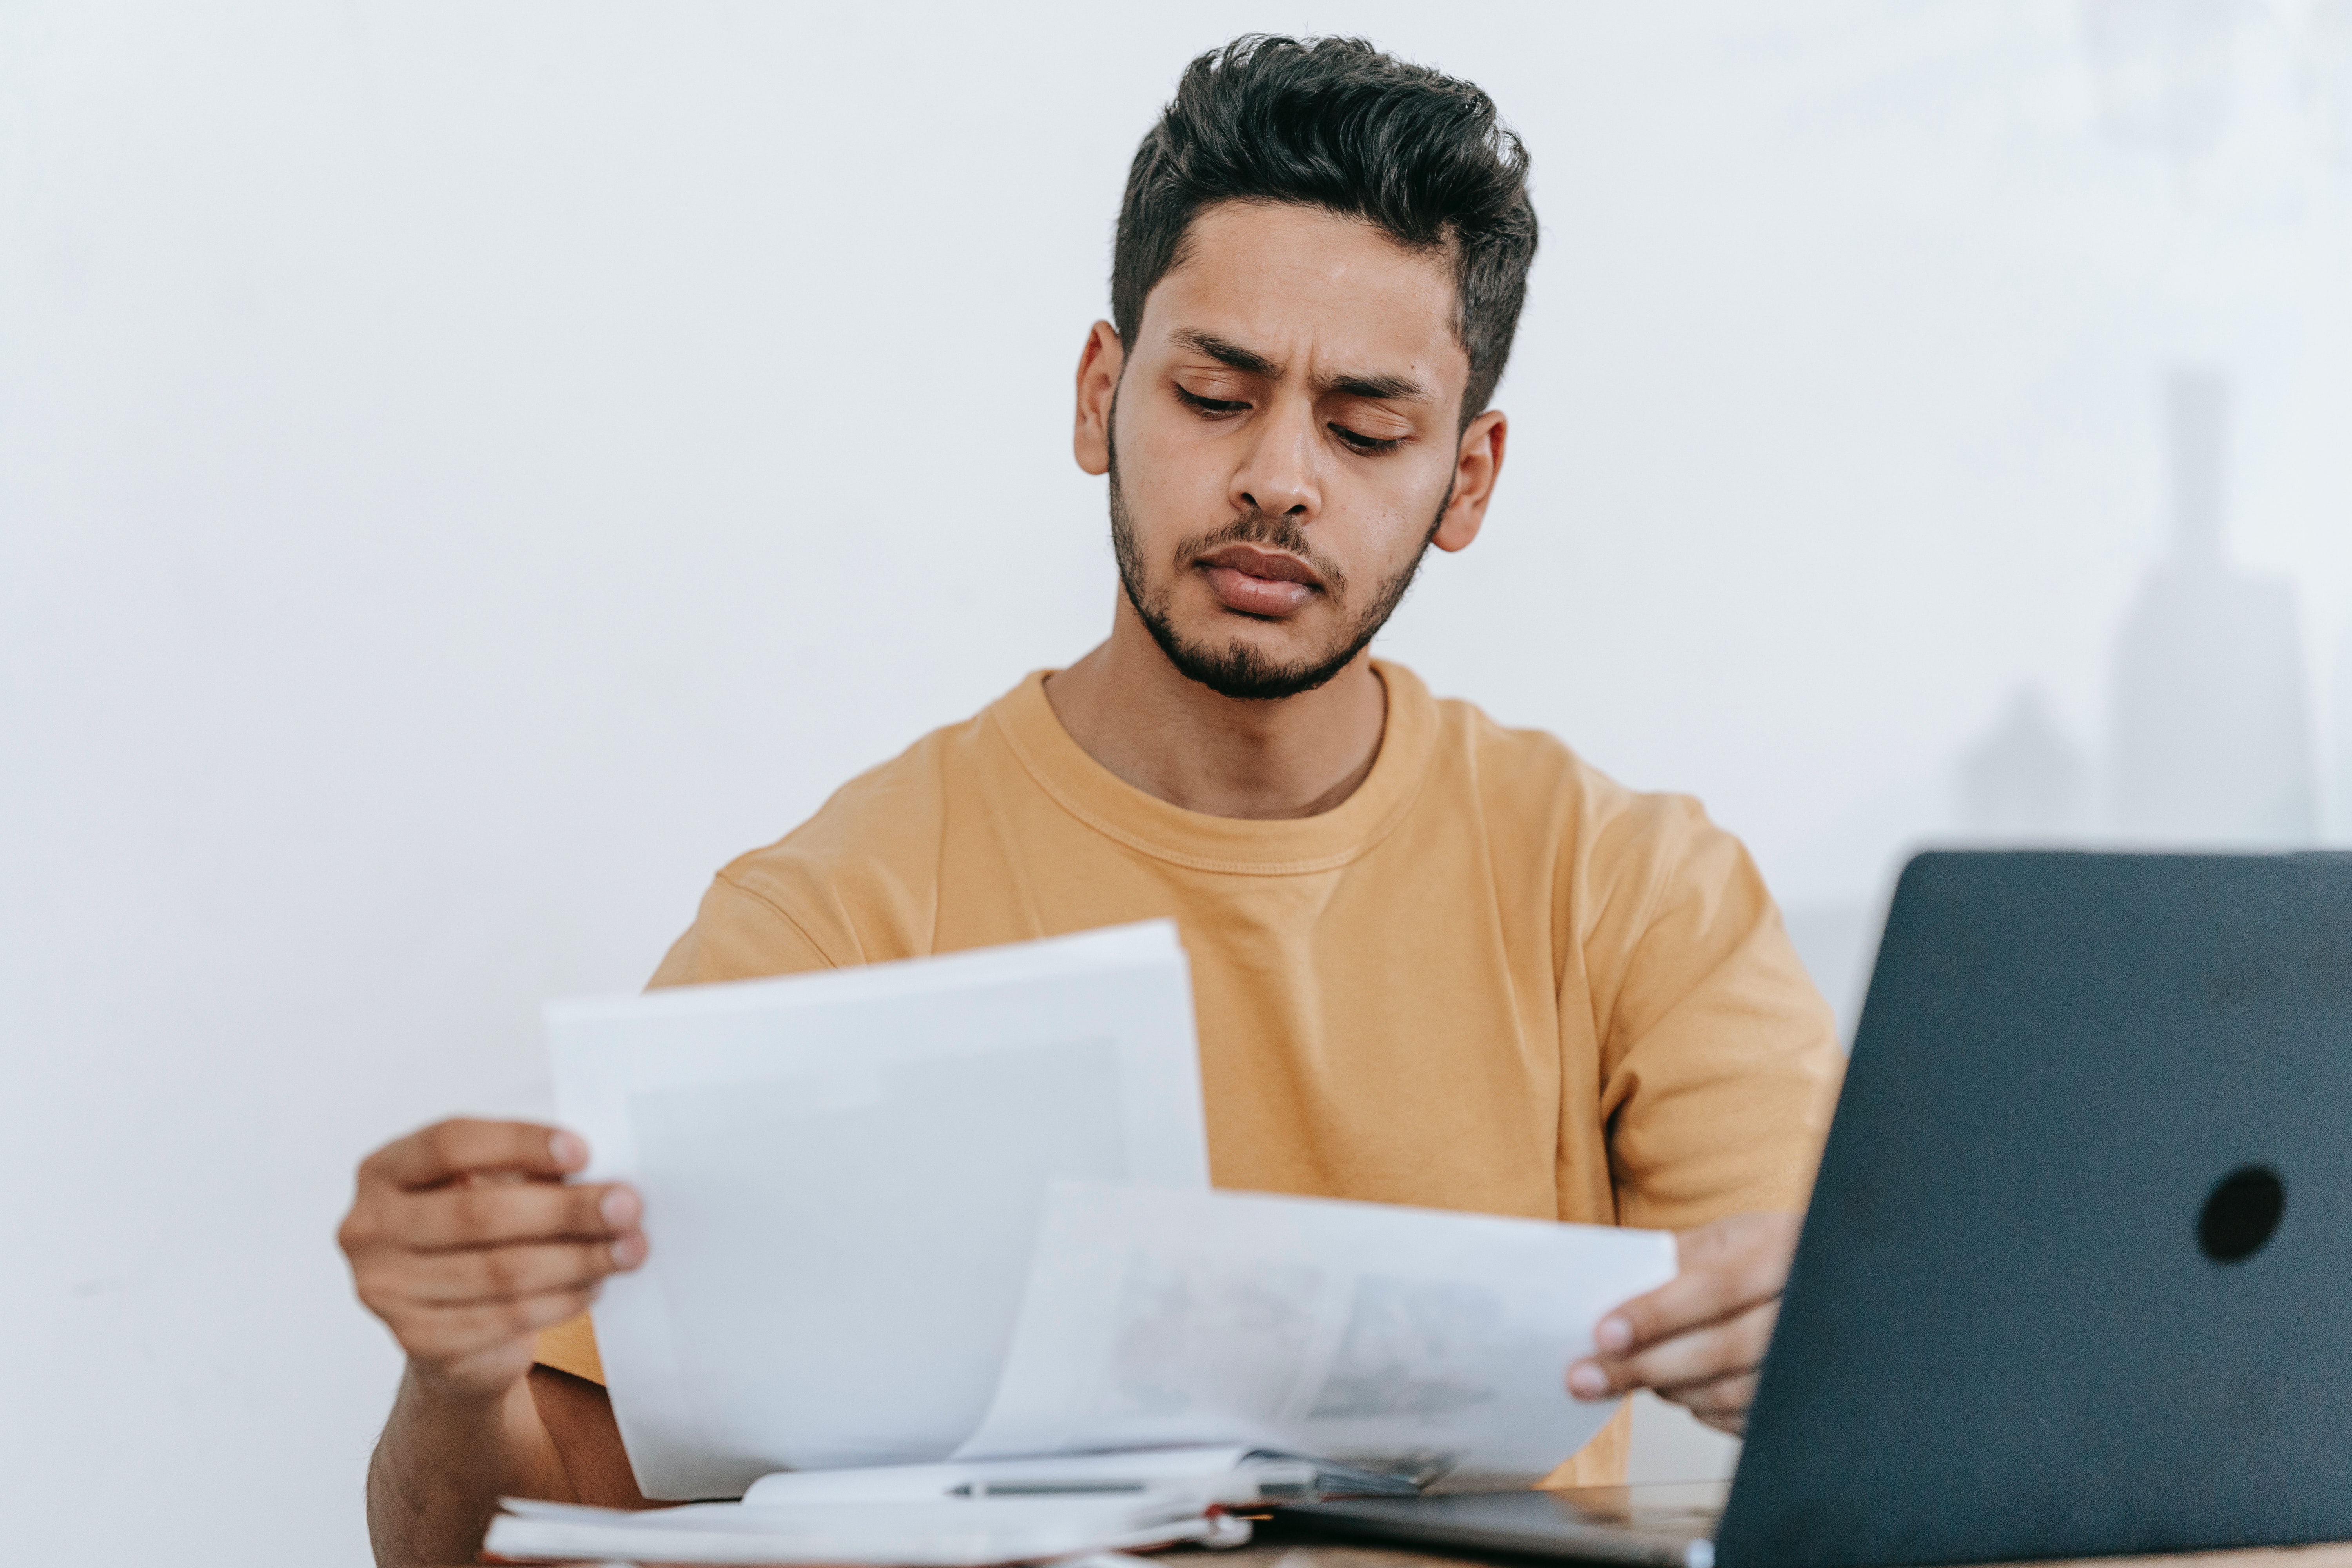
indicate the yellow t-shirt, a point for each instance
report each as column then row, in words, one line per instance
column 1490, row 980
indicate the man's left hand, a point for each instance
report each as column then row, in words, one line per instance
column 1698, row 1340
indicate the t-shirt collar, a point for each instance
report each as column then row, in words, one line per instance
column 1111, row 805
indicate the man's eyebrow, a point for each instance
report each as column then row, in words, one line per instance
column 1392, row 388
column 1347, row 384
column 1249, row 362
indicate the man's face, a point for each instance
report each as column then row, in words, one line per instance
column 1283, row 443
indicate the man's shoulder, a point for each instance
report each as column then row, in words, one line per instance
column 856, row 883
column 894, row 805
column 1533, row 775
column 1612, row 853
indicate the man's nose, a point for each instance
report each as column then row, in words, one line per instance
column 1278, row 475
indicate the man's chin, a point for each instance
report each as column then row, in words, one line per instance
column 1250, row 669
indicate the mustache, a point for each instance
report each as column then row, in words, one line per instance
column 1255, row 526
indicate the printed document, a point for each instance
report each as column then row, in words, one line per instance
column 958, row 1209
column 844, row 1175
column 1425, row 1344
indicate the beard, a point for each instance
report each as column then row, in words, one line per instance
column 1238, row 670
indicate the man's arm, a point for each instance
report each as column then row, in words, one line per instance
column 1720, row 1068
column 465, row 1239
column 578, row 1415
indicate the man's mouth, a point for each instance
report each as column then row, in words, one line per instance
column 1260, row 582
column 1269, row 565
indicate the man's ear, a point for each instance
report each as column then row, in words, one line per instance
column 1098, row 366
column 1476, row 468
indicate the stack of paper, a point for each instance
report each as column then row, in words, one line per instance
column 952, row 1534
column 959, row 1209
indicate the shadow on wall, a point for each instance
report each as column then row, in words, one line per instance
column 2164, row 79
column 2209, row 740
column 2209, row 737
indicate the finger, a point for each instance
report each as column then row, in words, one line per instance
column 1703, row 1355
column 447, row 1150
column 496, row 1214
column 445, row 1334
column 1696, row 1297
column 1724, row 1397
column 503, row 1273
column 1695, row 1356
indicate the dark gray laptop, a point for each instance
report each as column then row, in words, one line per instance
column 2077, row 1275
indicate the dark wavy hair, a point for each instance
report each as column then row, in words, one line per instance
column 1335, row 123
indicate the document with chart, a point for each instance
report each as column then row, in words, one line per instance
column 1429, row 1345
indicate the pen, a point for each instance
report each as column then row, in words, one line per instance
column 1042, row 1488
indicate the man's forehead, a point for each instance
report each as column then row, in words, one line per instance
column 1290, row 282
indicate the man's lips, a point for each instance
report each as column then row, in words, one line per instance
column 1263, row 563
column 1259, row 581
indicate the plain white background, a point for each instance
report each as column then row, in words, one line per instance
column 468, row 471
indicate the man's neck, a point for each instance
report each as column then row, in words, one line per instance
column 1134, row 712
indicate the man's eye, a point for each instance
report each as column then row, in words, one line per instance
column 1200, row 404
column 1371, row 445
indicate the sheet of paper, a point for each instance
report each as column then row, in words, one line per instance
column 843, row 1177
column 941, row 1533
column 1209, row 1471
column 1399, row 1339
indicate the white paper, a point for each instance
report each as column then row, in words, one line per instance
column 842, row 1176
column 1407, row 1339
column 940, row 1534
column 1212, row 1471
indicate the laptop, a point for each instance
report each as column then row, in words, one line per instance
column 2076, row 1278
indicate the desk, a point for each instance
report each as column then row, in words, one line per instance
column 2334, row 1555
column 1281, row 1555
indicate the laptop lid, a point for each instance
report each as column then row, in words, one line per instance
column 2076, row 1273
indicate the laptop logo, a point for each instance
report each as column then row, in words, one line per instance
column 2240, row 1214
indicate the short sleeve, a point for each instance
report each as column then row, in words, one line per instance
column 737, row 934
column 571, row 1346
column 1719, row 1060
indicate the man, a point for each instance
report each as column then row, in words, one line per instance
column 1435, row 961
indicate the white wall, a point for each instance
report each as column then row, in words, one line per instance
column 466, row 471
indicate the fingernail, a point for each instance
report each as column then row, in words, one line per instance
column 628, row 1252
column 1613, row 1334
column 619, row 1207
column 567, row 1150
column 1586, row 1381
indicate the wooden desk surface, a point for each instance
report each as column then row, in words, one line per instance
column 2334, row 1554
column 1291, row 1555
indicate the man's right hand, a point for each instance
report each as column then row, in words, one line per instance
column 465, row 1239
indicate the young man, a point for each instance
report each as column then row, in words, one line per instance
column 1435, row 961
